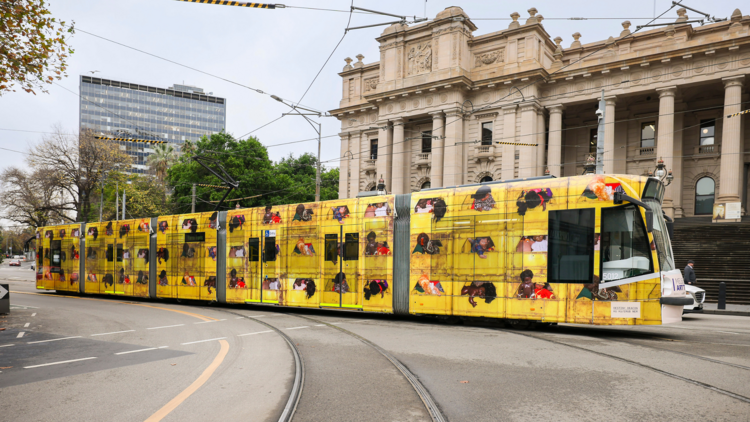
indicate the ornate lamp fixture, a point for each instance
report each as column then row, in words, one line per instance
column 662, row 174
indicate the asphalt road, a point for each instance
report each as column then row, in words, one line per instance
column 144, row 358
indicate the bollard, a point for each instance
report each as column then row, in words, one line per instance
column 722, row 295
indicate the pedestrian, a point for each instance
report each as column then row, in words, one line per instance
column 690, row 273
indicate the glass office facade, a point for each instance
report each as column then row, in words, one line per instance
column 126, row 110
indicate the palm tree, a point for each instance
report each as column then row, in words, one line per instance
column 161, row 159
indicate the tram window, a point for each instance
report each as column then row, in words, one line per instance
column 110, row 253
column 119, row 253
column 253, row 244
column 571, row 246
column 625, row 249
column 351, row 246
column 331, row 247
column 55, row 250
column 269, row 250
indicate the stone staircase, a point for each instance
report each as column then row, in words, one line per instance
column 721, row 253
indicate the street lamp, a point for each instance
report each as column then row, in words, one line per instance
column 310, row 112
column 662, row 174
column 590, row 166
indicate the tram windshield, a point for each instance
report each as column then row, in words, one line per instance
column 661, row 237
column 624, row 245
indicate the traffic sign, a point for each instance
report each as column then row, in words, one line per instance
column 4, row 299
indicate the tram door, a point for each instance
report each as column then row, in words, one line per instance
column 270, row 277
column 341, row 280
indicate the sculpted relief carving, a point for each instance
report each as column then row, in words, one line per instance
column 371, row 84
column 419, row 59
column 488, row 58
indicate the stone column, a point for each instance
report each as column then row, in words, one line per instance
column 397, row 174
column 554, row 151
column 453, row 157
column 665, row 140
column 356, row 175
column 344, row 166
column 677, row 161
column 731, row 142
column 527, row 154
column 385, row 153
column 609, row 135
column 541, row 137
column 509, row 135
column 436, row 167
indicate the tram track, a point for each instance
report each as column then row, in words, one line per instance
column 635, row 363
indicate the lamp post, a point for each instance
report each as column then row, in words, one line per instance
column 662, row 174
column 297, row 109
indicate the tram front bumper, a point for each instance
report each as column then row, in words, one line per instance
column 676, row 301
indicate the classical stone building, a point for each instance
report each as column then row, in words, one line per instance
column 432, row 110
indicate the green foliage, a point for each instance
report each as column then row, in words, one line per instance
column 33, row 46
column 262, row 182
column 145, row 198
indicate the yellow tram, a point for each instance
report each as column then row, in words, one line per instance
column 589, row 249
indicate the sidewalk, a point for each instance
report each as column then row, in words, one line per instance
column 711, row 308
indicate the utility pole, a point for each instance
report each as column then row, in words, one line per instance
column 192, row 207
column 101, row 203
column 124, row 197
column 600, row 113
column 117, row 200
column 317, row 170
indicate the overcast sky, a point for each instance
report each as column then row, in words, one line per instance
column 278, row 51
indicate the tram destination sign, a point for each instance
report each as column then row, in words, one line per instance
column 195, row 237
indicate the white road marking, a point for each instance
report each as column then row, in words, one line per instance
column 25, row 306
column 141, row 350
column 726, row 332
column 203, row 341
column 297, row 328
column 34, row 314
column 28, row 323
column 320, row 325
column 57, row 363
column 114, row 332
column 259, row 316
column 20, row 335
column 250, row 334
column 6, row 345
column 54, row 339
column 166, row 326
column 240, row 317
column 205, row 322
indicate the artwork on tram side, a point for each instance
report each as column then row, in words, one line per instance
column 234, row 281
column 188, row 250
column 190, row 224
column 62, row 233
column 598, row 189
column 74, row 252
column 375, row 248
column 340, row 213
column 143, row 254
column 212, row 220
column 592, row 291
column 92, row 278
column 143, row 226
column 162, row 254
column 163, row 226
column 236, row 251
column 374, row 287
column 75, row 233
column 93, row 232
column 532, row 198
column 427, row 286
column 142, row 278
column 73, row 278
column 435, row 206
column 303, row 248
column 236, row 222
column 271, row 284
column 188, row 279
column 108, row 280
column 479, row 246
column 340, row 285
column 306, row 284
column 61, row 275
column 163, row 278
column 270, row 217
column 209, row 282
column 380, row 209
column 527, row 289
column 302, row 214
column 48, row 234
column 123, row 278
column 532, row 244
column 212, row 252
column 333, row 251
column 481, row 289
column 126, row 254
column 483, row 200
column 90, row 254
column 109, row 231
column 425, row 245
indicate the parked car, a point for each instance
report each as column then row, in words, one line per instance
column 698, row 295
column 14, row 262
column 19, row 257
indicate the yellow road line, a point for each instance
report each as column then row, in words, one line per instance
column 164, row 411
column 192, row 314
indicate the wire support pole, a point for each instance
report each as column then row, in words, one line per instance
column 192, row 205
column 317, row 169
column 600, row 135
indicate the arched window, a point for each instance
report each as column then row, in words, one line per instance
column 705, row 191
column 486, row 179
column 426, row 185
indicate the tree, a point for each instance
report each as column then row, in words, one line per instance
column 161, row 159
column 298, row 176
column 33, row 46
column 30, row 198
column 145, row 198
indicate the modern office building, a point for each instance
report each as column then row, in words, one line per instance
column 145, row 113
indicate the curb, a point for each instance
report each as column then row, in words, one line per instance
column 733, row 313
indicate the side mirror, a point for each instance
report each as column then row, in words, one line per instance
column 617, row 198
column 649, row 221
